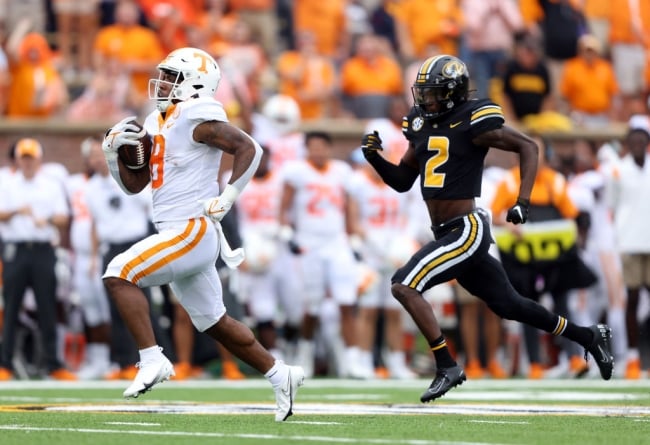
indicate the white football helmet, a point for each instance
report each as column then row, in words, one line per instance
column 283, row 112
column 197, row 75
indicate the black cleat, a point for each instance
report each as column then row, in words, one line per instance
column 601, row 350
column 446, row 378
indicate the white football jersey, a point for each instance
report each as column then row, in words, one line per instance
column 286, row 148
column 81, row 222
column 319, row 202
column 258, row 204
column 180, row 167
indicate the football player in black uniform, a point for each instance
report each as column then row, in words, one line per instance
column 449, row 136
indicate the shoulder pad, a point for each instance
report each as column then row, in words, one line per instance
column 485, row 115
column 204, row 109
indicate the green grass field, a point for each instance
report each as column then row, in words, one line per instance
column 327, row 411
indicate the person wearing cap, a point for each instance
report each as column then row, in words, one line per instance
column 589, row 86
column 628, row 193
column 34, row 210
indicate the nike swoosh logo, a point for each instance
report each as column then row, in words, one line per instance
column 213, row 211
column 455, row 125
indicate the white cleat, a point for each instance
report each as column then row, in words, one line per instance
column 149, row 374
column 285, row 393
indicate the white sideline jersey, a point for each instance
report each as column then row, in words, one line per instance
column 81, row 223
column 258, row 204
column 319, row 200
column 289, row 147
column 181, row 167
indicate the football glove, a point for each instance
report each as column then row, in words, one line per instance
column 371, row 144
column 122, row 133
column 518, row 213
column 216, row 208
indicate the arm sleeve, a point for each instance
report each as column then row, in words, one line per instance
column 399, row 177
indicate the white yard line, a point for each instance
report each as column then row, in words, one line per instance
column 283, row 437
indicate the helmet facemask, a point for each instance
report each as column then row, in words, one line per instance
column 164, row 101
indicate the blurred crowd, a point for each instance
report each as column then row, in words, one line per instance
column 551, row 65
column 91, row 60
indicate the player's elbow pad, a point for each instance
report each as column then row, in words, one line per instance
column 399, row 177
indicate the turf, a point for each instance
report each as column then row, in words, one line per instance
column 327, row 412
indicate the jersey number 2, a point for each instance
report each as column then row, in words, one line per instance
column 440, row 146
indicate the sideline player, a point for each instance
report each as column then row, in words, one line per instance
column 190, row 133
column 449, row 136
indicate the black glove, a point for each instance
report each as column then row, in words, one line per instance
column 294, row 248
column 371, row 144
column 518, row 213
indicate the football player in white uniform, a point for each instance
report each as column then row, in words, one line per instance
column 86, row 269
column 270, row 295
column 313, row 216
column 190, row 133
column 386, row 243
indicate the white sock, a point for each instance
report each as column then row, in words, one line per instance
column 277, row 375
column 151, row 353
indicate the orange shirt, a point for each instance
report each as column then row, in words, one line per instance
column 588, row 88
column 135, row 44
column 622, row 25
column 326, row 19
column 431, row 23
column 317, row 76
column 26, row 81
column 251, row 5
column 383, row 76
column 550, row 188
column 597, row 9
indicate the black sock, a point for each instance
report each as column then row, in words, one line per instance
column 441, row 353
column 578, row 334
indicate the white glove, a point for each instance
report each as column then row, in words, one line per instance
column 216, row 208
column 122, row 133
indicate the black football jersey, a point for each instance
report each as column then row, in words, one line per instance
column 451, row 166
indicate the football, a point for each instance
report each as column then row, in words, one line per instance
column 135, row 157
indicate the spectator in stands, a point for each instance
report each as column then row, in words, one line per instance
column 597, row 13
column 629, row 41
column 171, row 19
column 138, row 48
column 369, row 78
column 246, row 55
column 489, row 29
column 560, row 23
column 589, row 86
column 108, row 95
column 214, row 23
column 526, row 80
column 421, row 23
column 308, row 77
column 327, row 23
column 382, row 21
column 35, row 210
column 262, row 20
column 629, row 198
column 36, row 89
column 13, row 13
column 77, row 22
column 5, row 78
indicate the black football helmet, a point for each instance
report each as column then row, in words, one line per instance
column 441, row 84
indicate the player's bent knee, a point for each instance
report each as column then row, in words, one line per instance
column 401, row 292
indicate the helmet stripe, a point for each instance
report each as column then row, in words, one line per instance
column 426, row 68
